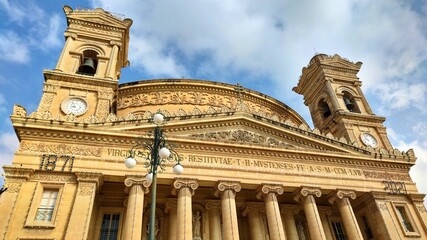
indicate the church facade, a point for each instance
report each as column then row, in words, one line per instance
column 253, row 168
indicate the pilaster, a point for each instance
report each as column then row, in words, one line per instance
column 171, row 209
column 214, row 211
column 288, row 213
column 253, row 211
column 88, row 184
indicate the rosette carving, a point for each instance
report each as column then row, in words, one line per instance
column 265, row 189
column 306, row 191
column 227, row 185
column 180, row 183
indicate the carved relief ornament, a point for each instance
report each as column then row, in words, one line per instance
column 132, row 180
column 304, row 191
column 59, row 149
column 222, row 186
column 265, row 189
column 340, row 194
column 190, row 183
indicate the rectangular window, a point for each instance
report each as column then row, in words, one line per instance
column 338, row 231
column 403, row 217
column 47, row 205
column 109, row 227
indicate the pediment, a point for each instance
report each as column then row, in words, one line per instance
column 243, row 130
column 339, row 62
column 97, row 16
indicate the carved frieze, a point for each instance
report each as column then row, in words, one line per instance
column 60, row 149
column 242, row 136
column 54, row 177
column 387, row 176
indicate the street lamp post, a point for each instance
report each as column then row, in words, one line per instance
column 156, row 154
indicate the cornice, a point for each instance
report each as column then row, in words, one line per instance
column 79, row 79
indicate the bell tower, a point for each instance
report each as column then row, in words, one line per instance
column 85, row 80
column 331, row 90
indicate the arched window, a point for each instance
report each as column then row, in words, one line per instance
column 324, row 108
column 89, row 63
column 350, row 102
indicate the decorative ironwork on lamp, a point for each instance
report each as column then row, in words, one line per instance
column 156, row 154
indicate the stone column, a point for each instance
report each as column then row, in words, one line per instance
column 306, row 195
column 332, row 94
column 14, row 179
column 253, row 212
column 288, row 212
column 214, row 207
column 70, row 38
column 341, row 197
column 111, row 69
column 227, row 190
column 184, row 188
column 269, row 192
column 171, row 208
column 417, row 200
column 324, row 212
column 136, row 186
column 78, row 225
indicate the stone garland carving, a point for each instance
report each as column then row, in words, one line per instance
column 190, row 183
column 60, row 149
column 196, row 98
column 52, row 177
column 242, row 136
column 46, row 102
column 86, row 189
column 387, row 176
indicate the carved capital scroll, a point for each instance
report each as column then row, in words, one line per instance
column 180, row 183
column 222, row 186
column 304, row 191
column 340, row 194
column 213, row 204
column 132, row 180
column 264, row 190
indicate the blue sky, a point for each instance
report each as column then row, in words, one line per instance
column 261, row 46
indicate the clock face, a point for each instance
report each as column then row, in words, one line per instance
column 74, row 105
column 369, row 140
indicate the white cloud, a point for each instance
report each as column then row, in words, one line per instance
column 13, row 48
column 400, row 95
column 8, row 145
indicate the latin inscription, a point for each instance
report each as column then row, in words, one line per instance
column 274, row 165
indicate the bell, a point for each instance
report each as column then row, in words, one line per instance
column 326, row 112
column 349, row 104
column 88, row 67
